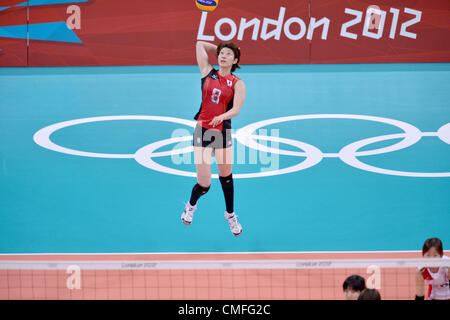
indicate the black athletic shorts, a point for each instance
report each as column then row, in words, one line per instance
column 212, row 138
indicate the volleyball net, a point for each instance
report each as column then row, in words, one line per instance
column 207, row 279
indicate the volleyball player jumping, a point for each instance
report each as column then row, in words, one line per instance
column 223, row 96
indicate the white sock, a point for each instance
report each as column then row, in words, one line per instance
column 230, row 215
column 190, row 205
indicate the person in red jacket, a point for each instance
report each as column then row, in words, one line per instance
column 223, row 96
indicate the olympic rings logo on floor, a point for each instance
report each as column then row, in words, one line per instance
column 245, row 136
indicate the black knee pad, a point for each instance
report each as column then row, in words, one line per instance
column 227, row 182
column 202, row 190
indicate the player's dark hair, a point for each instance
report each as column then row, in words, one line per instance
column 433, row 243
column 354, row 283
column 369, row 294
column 236, row 51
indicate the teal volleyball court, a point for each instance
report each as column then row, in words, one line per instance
column 56, row 202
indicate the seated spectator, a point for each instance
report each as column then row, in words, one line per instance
column 369, row 294
column 353, row 286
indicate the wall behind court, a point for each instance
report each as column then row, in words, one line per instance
column 148, row 32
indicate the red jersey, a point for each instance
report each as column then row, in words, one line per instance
column 217, row 98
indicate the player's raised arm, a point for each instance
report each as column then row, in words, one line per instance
column 202, row 49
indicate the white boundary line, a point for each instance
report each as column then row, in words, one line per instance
column 206, row 253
